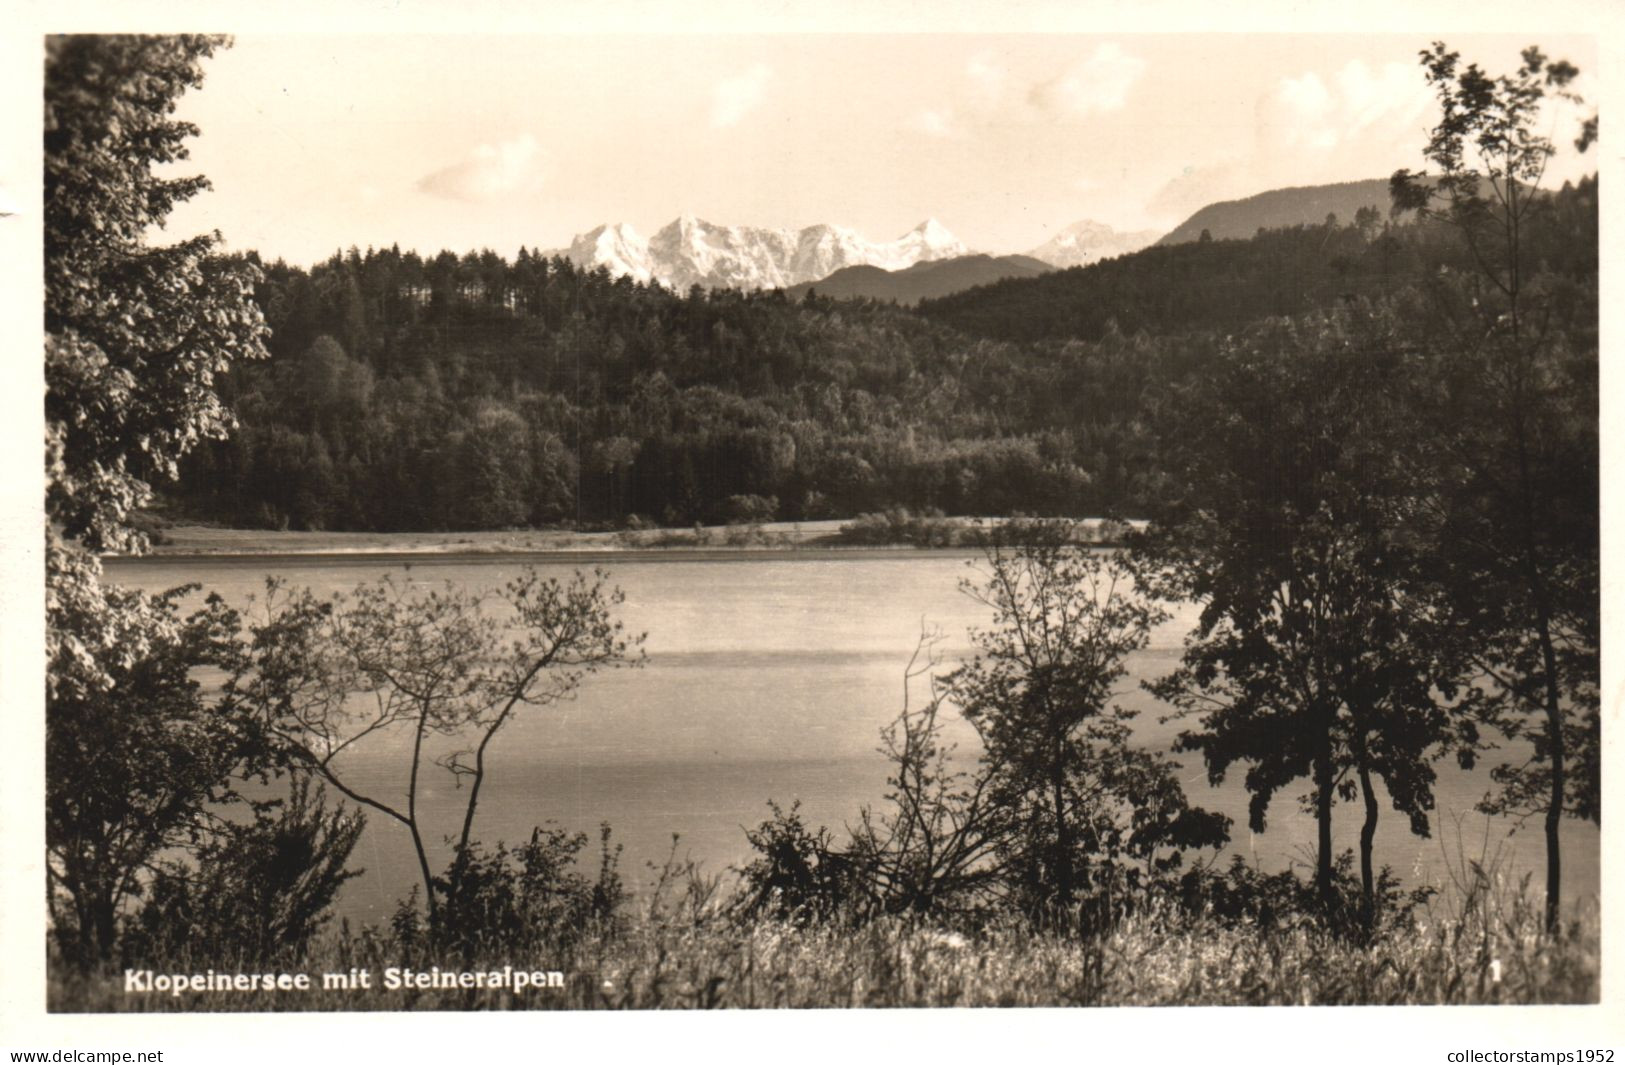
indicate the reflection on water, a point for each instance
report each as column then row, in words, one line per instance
column 771, row 679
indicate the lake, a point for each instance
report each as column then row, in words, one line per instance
column 771, row 677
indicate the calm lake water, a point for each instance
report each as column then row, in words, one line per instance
column 771, row 677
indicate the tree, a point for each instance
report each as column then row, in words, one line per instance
column 138, row 759
column 136, row 333
column 493, row 470
column 259, row 889
column 331, row 386
column 1092, row 812
column 1513, row 391
column 322, row 676
column 1317, row 653
column 135, row 336
column 956, row 839
column 1488, row 136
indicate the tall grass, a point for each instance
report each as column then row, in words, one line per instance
column 686, row 945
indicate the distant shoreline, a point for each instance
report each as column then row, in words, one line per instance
column 209, row 541
column 777, row 541
column 575, row 556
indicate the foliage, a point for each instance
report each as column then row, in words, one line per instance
column 1513, row 469
column 752, row 509
column 1488, row 134
column 526, row 900
column 1318, row 652
column 800, row 876
column 258, row 890
column 440, row 666
column 1091, row 812
column 136, row 333
column 1210, row 286
column 932, row 848
column 636, row 400
column 1060, row 809
column 138, row 757
column 141, row 761
column 1241, row 895
column 898, row 525
column 935, row 847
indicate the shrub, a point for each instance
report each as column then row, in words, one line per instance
column 746, row 535
column 800, row 876
column 934, row 848
column 1091, row 816
column 751, row 509
column 527, row 898
column 1243, row 895
column 257, row 890
column 140, row 757
column 897, row 525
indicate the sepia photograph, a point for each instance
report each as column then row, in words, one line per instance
column 715, row 519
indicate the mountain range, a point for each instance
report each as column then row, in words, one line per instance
column 842, row 263
column 1082, row 243
column 690, row 251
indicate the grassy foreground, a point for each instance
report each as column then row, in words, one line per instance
column 1485, row 951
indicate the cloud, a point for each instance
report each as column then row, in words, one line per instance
column 936, row 123
column 1370, row 97
column 490, row 171
column 988, row 80
column 1361, row 110
column 1312, row 128
column 733, row 98
column 1307, row 95
column 1100, row 83
column 991, row 93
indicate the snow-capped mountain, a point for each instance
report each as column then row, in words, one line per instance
column 619, row 247
column 1085, row 242
column 690, row 251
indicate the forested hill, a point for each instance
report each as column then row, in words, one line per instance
column 938, row 277
column 1223, row 284
column 472, row 392
column 406, row 393
column 1280, row 208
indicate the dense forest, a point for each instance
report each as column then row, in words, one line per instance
column 412, row 393
column 1221, row 285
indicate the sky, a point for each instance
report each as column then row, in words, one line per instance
column 316, row 143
